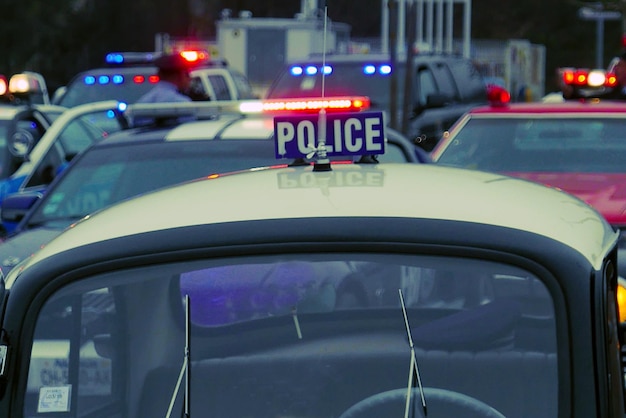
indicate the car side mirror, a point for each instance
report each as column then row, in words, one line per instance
column 15, row 207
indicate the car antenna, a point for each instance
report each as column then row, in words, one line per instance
column 186, row 368
column 322, row 163
column 414, row 373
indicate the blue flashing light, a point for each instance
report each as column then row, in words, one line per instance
column 122, row 106
column 327, row 69
column 104, row 79
column 114, row 58
column 110, row 114
column 89, row 80
column 296, row 71
column 311, row 70
column 118, row 79
column 369, row 69
column 385, row 69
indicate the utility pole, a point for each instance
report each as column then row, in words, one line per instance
column 596, row 12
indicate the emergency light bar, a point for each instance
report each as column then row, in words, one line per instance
column 343, row 104
column 197, row 110
column 212, row 109
column 582, row 77
column 129, row 58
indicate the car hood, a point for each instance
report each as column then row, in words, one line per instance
column 605, row 192
column 16, row 248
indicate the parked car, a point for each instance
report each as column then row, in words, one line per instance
column 224, row 297
column 442, row 89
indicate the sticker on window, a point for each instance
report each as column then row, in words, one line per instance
column 54, row 399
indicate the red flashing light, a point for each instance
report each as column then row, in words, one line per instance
column 153, row 79
column 580, row 77
column 498, row 96
column 4, row 85
column 138, row 79
column 194, row 56
column 345, row 104
column 568, row 76
column 611, row 80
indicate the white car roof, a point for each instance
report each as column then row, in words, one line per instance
column 354, row 190
column 227, row 127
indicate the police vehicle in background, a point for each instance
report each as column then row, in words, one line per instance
column 174, row 149
column 127, row 76
column 25, row 116
column 45, row 154
column 443, row 87
column 326, row 290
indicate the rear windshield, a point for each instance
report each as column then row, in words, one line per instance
column 109, row 174
column 298, row 334
column 123, row 86
column 106, row 175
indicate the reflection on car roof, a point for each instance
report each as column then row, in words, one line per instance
column 387, row 190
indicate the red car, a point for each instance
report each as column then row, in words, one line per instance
column 577, row 146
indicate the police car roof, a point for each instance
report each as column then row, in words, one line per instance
column 227, row 126
column 352, row 191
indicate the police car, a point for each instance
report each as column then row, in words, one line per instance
column 444, row 86
column 139, row 160
column 330, row 290
column 45, row 153
column 127, row 76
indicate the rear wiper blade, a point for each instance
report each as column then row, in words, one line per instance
column 414, row 373
column 186, row 368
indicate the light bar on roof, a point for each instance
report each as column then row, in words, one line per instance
column 346, row 104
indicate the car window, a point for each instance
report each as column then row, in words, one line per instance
column 220, row 87
column 110, row 174
column 539, row 144
column 469, row 80
column 445, row 82
column 77, row 136
column 308, row 323
column 426, row 85
column 244, row 89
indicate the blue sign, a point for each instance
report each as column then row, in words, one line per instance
column 346, row 134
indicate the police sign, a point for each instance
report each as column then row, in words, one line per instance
column 346, row 134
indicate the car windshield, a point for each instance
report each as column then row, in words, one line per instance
column 298, row 335
column 123, row 85
column 539, row 144
column 106, row 175
column 372, row 79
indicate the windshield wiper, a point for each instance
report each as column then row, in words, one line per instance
column 186, row 368
column 414, row 373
